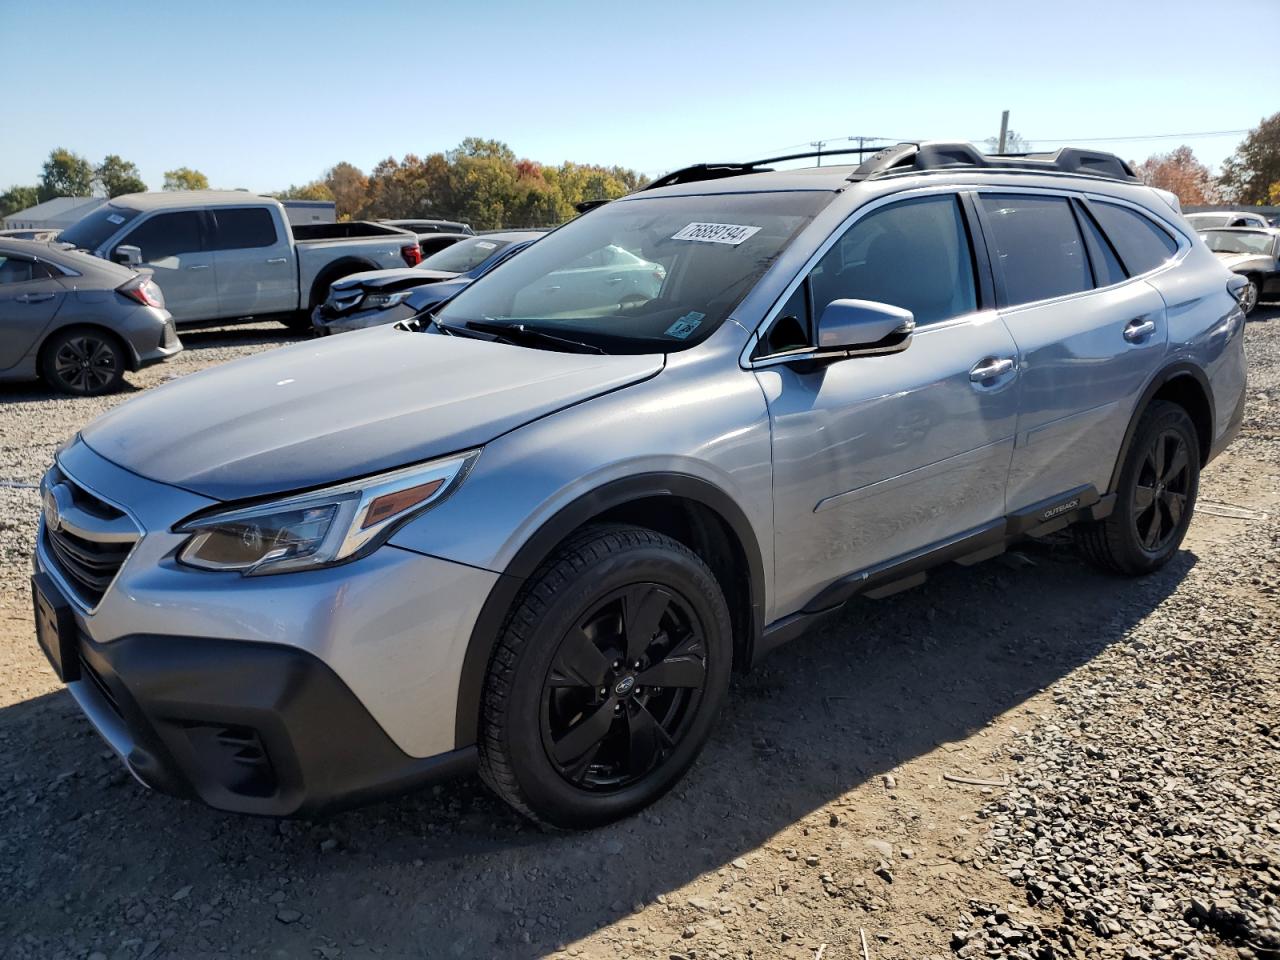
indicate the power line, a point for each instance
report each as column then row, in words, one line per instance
column 1151, row 136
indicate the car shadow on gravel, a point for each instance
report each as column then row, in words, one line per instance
column 451, row 872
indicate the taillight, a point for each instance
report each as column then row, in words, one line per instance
column 412, row 254
column 144, row 291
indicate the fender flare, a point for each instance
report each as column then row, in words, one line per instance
column 335, row 271
column 484, row 634
column 1181, row 368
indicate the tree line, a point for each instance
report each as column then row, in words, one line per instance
column 481, row 182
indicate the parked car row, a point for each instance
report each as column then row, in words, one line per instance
column 1251, row 252
column 533, row 532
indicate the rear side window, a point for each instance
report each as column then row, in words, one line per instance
column 240, row 228
column 167, row 235
column 1106, row 265
column 1037, row 246
column 21, row 270
column 1141, row 244
column 913, row 254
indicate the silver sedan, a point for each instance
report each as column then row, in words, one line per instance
column 76, row 321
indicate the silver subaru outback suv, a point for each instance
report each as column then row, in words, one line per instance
column 536, row 538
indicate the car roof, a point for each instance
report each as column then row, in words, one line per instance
column 159, row 200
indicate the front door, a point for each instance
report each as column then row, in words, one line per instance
column 30, row 295
column 875, row 458
column 174, row 246
column 253, row 261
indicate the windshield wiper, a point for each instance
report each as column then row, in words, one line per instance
column 515, row 331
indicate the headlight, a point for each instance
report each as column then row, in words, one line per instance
column 323, row 527
column 381, row 301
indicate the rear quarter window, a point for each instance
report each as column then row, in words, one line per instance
column 240, row 228
column 1142, row 244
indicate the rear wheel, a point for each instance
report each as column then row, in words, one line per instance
column 1155, row 498
column 83, row 362
column 606, row 680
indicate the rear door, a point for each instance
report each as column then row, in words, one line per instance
column 30, row 296
column 175, row 247
column 1090, row 333
column 877, row 457
column 253, row 261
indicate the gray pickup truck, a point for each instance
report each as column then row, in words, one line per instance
column 228, row 255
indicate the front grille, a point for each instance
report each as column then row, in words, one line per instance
column 87, row 539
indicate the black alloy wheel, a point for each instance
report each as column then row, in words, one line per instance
column 84, row 362
column 624, row 687
column 1160, row 494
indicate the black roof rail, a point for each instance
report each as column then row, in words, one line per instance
column 941, row 155
column 717, row 171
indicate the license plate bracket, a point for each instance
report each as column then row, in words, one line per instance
column 55, row 627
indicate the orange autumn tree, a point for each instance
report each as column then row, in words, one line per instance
column 1181, row 173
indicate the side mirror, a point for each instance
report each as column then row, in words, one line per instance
column 127, row 254
column 864, row 328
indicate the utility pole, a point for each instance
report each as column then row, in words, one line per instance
column 819, row 144
column 1004, row 130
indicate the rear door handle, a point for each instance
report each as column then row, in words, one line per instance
column 198, row 266
column 990, row 368
column 35, row 297
column 278, row 260
column 1139, row 329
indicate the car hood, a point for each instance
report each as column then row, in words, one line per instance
column 399, row 277
column 344, row 407
column 1241, row 261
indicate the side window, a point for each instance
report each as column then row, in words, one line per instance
column 1106, row 265
column 166, row 235
column 20, row 270
column 914, row 254
column 241, row 228
column 1141, row 244
column 1037, row 246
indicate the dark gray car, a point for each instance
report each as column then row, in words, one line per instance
column 76, row 321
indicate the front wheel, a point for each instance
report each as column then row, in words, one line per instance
column 1249, row 297
column 607, row 678
column 1155, row 498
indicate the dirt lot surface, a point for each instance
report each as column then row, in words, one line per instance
column 1126, row 736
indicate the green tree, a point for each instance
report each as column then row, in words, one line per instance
column 18, row 198
column 65, row 174
column 118, row 176
column 315, row 190
column 184, row 178
column 1248, row 174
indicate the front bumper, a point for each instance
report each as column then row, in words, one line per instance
column 325, row 323
column 246, row 727
column 277, row 695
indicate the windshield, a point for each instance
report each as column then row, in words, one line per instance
column 653, row 274
column 91, row 232
column 464, row 255
column 1237, row 241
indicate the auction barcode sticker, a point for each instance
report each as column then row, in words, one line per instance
column 730, row 233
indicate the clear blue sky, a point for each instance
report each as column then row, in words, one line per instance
column 268, row 93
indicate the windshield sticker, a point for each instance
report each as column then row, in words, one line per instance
column 685, row 325
column 115, row 218
column 486, row 245
column 730, row 233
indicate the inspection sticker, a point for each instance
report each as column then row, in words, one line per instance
column 485, row 245
column 685, row 325
column 730, row 233
column 115, row 218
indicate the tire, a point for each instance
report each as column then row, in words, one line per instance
column 571, row 735
column 83, row 362
column 1249, row 296
column 1155, row 498
column 299, row 322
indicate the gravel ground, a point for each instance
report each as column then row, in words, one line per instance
column 1124, row 736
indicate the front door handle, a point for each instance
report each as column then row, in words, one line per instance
column 990, row 369
column 35, row 297
column 1139, row 329
column 198, row 266
column 278, row 260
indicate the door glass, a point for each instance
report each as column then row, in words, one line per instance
column 1106, row 265
column 913, row 254
column 166, row 235
column 1141, row 244
column 1037, row 245
column 240, row 228
column 20, row 270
